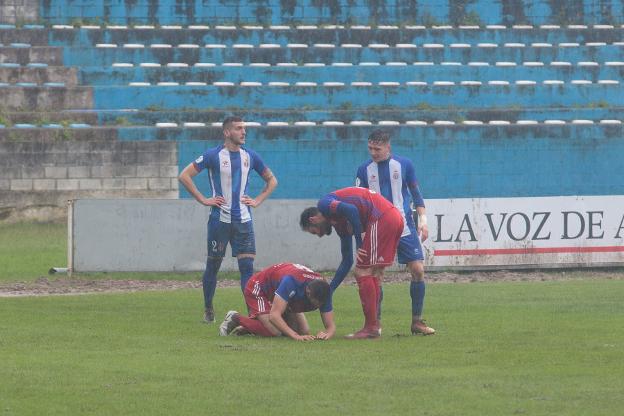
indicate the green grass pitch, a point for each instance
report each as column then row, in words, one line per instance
column 523, row 348
column 541, row 348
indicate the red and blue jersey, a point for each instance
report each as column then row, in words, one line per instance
column 229, row 176
column 370, row 206
column 288, row 281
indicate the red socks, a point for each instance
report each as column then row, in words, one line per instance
column 378, row 290
column 369, row 296
column 254, row 326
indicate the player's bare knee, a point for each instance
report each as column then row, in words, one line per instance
column 378, row 272
column 417, row 271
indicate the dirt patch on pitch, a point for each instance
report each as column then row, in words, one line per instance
column 44, row 286
column 72, row 286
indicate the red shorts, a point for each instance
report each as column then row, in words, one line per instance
column 381, row 239
column 256, row 300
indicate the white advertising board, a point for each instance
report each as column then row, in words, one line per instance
column 542, row 231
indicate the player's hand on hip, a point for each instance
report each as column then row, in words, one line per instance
column 250, row 202
column 217, row 201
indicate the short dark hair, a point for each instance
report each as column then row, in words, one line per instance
column 319, row 290
column 380, row 136
column 231, row 119
column 307, row 213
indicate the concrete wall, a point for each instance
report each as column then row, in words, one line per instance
column 156, row 235
column 37, row 177
column 17, row 11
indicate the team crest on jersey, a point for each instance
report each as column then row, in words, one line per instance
column 395, row 175
column 225, row 164
column 246, row 162
column 372, row 179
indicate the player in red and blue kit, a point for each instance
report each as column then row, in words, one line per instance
column 353, row 213
column 277, row 298
column 229, row 166
column 394, row 177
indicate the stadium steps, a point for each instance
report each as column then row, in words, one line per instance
column 34, row 37
column 402, row 132
column 155, row 73
column 59, row 132
column 39, row 75
column 134, row 117
column 311, row 11
column 312, row 96
column 64, row 118
column 31, row 54
column 442, row 130
column 284, row 98
column 45, row 98
column 346, row 116
column 106, row 55
column 337, row 36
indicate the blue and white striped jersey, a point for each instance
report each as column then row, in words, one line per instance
column 229, row 175
column 395, row 179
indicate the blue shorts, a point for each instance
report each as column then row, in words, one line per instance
column 239, row 235
column 410, row 248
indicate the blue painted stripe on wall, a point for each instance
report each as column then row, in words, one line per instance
column 451, row 162
column 487, row 96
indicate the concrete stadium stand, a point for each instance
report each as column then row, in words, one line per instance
column 309, row 11
column 64, row 100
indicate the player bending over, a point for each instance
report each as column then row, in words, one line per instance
column 277, row 298
column 376, row 225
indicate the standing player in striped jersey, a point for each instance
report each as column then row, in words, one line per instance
column 277, row 298
column 376, row 225
column 229, row 166
column 393, row 177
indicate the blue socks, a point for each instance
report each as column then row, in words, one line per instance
column 417, row 293
column 245, row 266
column 209, row 280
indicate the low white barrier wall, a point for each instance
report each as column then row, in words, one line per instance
column 170, row 235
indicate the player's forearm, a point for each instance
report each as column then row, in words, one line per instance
column 422, row 215
column 417, row 197
column 187, row 181
column 268, row 189
column 279, row 323
column 346, row 249
column 341, row 273
column 328, row 322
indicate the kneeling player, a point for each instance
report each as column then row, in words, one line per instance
column 277, row 298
